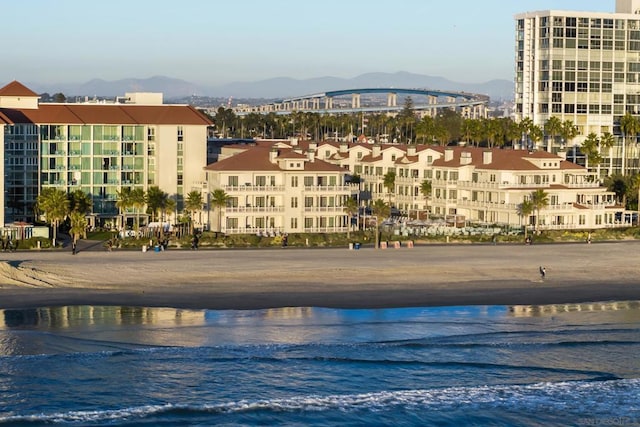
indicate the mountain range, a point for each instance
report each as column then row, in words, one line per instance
column 280, row 87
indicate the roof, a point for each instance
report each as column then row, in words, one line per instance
column 15, row 88
column 501, row 159
column 107, row 114
column 257, row 159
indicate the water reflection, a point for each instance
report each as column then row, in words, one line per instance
column 72, row 316
column 551, row 309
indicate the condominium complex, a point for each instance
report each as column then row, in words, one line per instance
column 301, row 186
column 98, row 148
column 582, row 67
column 278, row 189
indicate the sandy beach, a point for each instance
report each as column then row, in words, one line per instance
column 430, row 275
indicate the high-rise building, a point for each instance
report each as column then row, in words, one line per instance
column 98, row 148
column 582, row 67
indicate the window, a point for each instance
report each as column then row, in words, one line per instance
column 180, row 134
column 308, row 181
column 232, row 181
column 294, row 202
column 294, row 181
column 308, row 202
column 151, row 134
column 294, row 223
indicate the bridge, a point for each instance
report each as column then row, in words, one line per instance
column 372, row 100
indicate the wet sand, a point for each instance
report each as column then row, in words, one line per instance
column 430, row 275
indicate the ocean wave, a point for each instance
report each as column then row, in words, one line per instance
column 570, row 397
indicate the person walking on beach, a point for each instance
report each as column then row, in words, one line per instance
column 543, row 272
column 74, row 246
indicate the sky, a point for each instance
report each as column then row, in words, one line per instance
column 214, row 42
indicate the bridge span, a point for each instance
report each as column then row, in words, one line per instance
column 383, row 100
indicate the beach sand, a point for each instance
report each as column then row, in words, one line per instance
column 429, row 275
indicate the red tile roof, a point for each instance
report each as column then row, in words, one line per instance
column 257, row 159
column 108, row 114
column 15, row 88
column 502, row 159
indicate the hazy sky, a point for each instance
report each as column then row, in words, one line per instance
column 214, row 42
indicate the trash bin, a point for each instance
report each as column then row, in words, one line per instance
column 156, row 248
column 356, row 246
column 144, row 248
column 350, row 246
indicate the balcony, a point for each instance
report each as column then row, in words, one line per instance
column 328, row 188
column 334, row 209
column 253, row 188
column 254, row 209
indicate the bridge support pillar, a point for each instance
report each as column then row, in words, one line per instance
column 355, row 100
column 392, row 100
column 328, row 103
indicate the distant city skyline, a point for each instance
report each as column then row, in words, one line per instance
column 214, row 43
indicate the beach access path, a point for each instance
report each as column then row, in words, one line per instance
column 429, row 275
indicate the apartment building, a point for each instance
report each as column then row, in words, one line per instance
column 277, row 188
column 488, row 186
column 477, row 185
column 98, row 148
column 583, row 67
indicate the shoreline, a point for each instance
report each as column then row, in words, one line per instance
column 424, row 276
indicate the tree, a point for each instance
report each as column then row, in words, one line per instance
column 219, row 199
column 591, row 149
column 380, row 210
column 137, row 199
column 78, row 225
column 425, row 189
column 193, row 204
column 539, row 200
column 629, row 125
column 620, row 185
column 390, row 183
column 80, row 201
column 124, row 202
column 553, row 128
column 607, row 141
column 569, row 131
column 54, row 204
column 351, row 208
column 156, row 201
column 525, row 209
column 535, row 134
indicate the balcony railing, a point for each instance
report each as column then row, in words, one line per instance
column 328, row 188
column 253, row 188
column 324, row 209
column 252, row 209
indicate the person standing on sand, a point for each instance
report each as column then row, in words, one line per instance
column 543, row 272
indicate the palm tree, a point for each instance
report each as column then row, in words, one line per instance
column 156, row 201
column 535, row 135
column 81, row 202
column 607, row 141
column 78, row 225
column 591, row 149
column 137, row 199
column 569, row 131
column 351, row 208
column 629, row 125
column 525, row 209
column 539, row 200
column 193, row 204
column 553, row 128
column 380, row 210
column 124, row 202
column 219, row 199
column 390, row 183
column 425, row 189
column 54, row 204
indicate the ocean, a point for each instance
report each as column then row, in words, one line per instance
column 564, row 365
